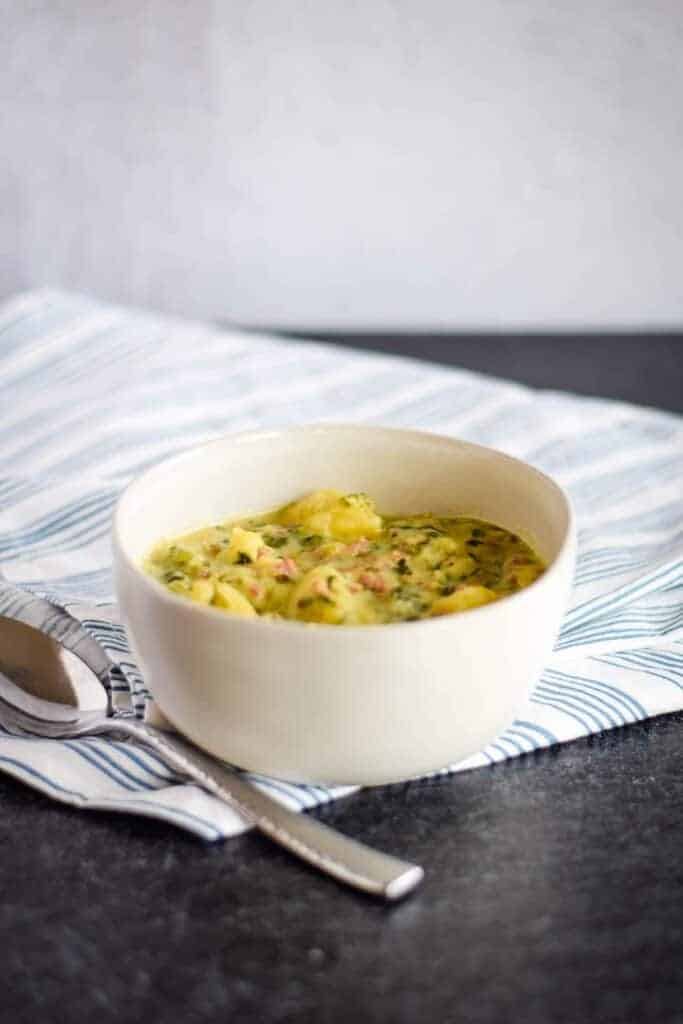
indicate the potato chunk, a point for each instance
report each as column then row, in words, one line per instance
column 299, row 512
column 354, row 517
column 229, row 599
column 331, row 514
column 460, row 565
column 322, row 595
column 202, row 591
column 462, row 599
column 244, row 545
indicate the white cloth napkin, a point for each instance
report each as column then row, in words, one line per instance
column 91, row 394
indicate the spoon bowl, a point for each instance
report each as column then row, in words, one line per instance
column 42, row 668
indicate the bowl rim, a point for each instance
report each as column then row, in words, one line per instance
column 293, row 626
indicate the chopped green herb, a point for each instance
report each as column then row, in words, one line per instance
column 171, row 577
column 311, row 540
column 275, row 542
column 358, row 500
column 244, row 559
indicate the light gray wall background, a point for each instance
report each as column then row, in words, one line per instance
column 416, row 163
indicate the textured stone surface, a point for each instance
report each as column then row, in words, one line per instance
column 645, row 368
column 554, row 893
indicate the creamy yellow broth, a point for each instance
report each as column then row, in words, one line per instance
column 332, row 558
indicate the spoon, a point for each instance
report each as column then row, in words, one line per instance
column 52, row 684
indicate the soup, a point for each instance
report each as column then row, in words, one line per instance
column 332, row 558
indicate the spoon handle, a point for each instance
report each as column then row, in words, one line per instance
column 350, row 862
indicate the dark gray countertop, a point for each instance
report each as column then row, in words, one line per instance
column 642, row 368
column 554, row 888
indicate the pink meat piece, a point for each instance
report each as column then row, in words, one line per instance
column 371, row 582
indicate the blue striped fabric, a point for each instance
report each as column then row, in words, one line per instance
column 92, row 394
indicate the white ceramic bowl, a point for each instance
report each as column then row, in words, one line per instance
column 349, row 704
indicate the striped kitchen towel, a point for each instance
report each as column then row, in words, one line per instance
column 91, row 394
